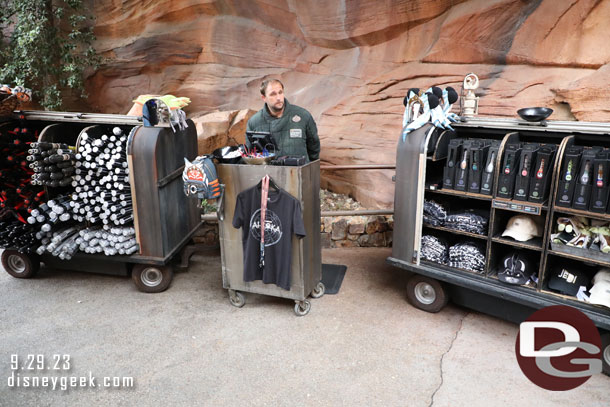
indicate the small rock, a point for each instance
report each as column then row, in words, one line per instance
column 325, row 241
column 373, row 240
column 356, row 228
column 328, row 224
column 339, row 230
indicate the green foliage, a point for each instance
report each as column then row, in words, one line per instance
column 208, row 207
column 45, row 45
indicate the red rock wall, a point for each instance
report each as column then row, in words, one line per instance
column 350, row 63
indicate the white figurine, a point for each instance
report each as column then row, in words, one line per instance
column 469, row 101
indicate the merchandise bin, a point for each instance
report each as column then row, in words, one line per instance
column 164, row 218
column 303, row 183
column 420, row 175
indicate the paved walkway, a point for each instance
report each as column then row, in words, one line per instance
column 189, row 346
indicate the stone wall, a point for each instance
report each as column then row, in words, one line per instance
column 345, row 231
column 357, row 231
column 207, row 234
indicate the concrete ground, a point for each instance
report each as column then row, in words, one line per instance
column 189, row 346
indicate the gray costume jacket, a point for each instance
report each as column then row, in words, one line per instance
column 295, row 132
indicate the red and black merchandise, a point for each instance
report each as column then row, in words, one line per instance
column 268, row 250
column 18, row 195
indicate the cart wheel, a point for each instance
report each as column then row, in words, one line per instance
column 426, row 294
column 302, row 308
column 606, row 353
column 152, row 279
column 319, row 290
column 237, row 299
column 20, row 265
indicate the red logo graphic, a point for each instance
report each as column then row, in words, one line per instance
column 558, row 348
column 194, row 174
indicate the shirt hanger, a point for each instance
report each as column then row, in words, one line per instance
column 272, row 184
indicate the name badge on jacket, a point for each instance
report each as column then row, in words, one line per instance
column 296, row 133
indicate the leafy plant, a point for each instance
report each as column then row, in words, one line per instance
column 45, row 45
column 207, row 206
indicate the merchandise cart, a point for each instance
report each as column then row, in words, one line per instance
column 164, row 219
column 422, row 173
column 303, row 183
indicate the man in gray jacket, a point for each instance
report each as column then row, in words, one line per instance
column 292, row 127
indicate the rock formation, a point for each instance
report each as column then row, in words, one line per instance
column 350, row 63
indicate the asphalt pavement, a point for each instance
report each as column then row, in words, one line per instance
column 188, row 346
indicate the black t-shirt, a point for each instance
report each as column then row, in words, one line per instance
column 283, row 219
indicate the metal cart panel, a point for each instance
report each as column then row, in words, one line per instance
column 302, row 183
column 408, row 200
column 157, row 188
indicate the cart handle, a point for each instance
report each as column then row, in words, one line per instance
column 220, row 212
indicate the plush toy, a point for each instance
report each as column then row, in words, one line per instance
column 602, row 237
column 574, row 231
column 431, row 105
column 172, row 102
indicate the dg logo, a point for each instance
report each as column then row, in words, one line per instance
column 558, row 348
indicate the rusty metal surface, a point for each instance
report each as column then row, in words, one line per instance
column 76, row 117
column 213, row 217
column 164, row 215
column 302, row 183
column 358, row 167
column 143, row 178
column 408, row 195
column 361, row 212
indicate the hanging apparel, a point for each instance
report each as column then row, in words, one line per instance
column 433, row 249
column 282, row 218
column 467, row 256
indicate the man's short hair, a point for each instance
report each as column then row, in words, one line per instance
column 267, row 82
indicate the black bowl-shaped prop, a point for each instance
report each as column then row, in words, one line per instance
column 534, row 114
column 227, row 155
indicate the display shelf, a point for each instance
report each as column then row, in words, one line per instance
column 530, row 208
column 484, row 291
column 461, row 194
column 449, row 268
column 495, row 278
column 456, row 231
column 576, row 300
column 533, row 244
column 546, row 290
column 579, row 212
column 587, row 259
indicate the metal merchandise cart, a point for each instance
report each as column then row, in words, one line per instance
column 302, row 183
column 164, row 218
column 421, row 158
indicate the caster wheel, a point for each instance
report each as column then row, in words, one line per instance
column 606, row 353
column 302, row 308
column 152, row 279
column 319, row 290
column 20, row 265
column 426, row 293
column 237, row 299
